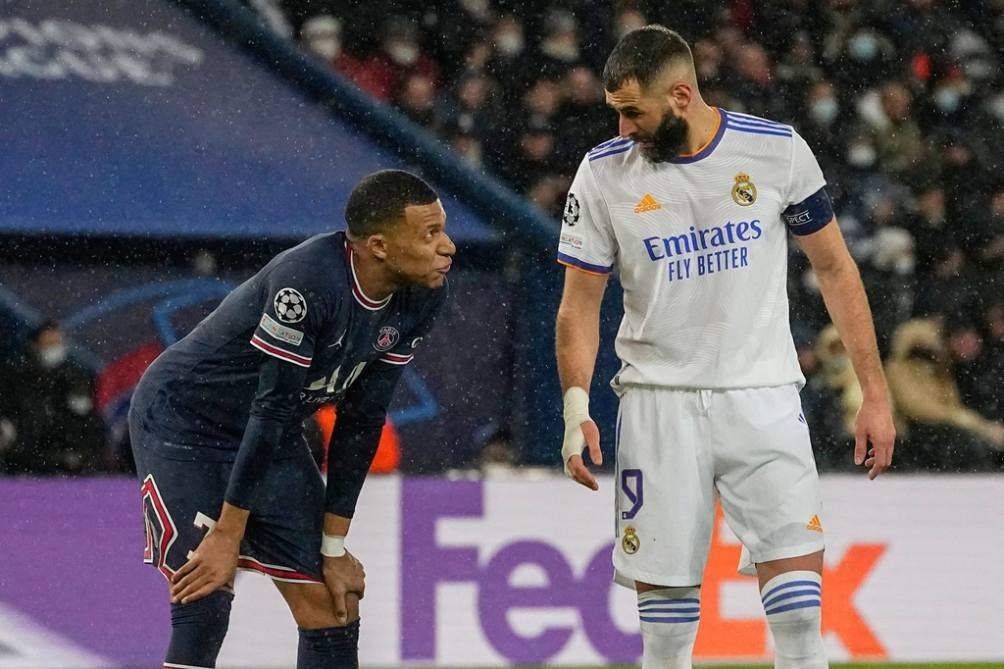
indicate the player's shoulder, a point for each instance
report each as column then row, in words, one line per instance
column 317, row 263
column 748, row 124
column 609, row 155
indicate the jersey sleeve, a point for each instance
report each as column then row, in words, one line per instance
column 403, row 351
column 293, row 307
column 807, row 206
column 587, row 240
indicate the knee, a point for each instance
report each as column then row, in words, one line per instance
column 314, row 608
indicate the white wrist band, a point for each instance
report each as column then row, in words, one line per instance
column 332, row 545
column 576, row 412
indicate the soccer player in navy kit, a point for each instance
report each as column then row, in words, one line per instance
column 216, row 421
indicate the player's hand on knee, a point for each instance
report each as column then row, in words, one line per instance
column 209, row 567
column 343, row 576
column 580, row 432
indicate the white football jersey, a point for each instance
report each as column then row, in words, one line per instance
column 701, row 250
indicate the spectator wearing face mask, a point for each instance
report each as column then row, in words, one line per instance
column 50, row 424
column 398, row 58
column 823, row 124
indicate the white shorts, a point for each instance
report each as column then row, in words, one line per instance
column 677, row 448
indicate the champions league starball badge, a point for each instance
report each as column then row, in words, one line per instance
column 290, row 306
column 572, row 208
column 630, row 541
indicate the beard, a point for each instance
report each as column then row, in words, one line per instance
column 668, row 140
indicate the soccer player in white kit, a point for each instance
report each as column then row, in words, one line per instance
column 692, row 205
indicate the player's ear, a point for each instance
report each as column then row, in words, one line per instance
column 377, row 245
column 680, row 94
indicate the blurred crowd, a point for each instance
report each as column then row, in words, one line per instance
column 902, row 102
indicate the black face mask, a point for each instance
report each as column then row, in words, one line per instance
column 668, row 140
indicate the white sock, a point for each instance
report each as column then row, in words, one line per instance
column 669, row 619
column 793, row 604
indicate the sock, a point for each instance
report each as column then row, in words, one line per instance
column 329, row 648
column 792, row 602
column 197, row 631
column 669, row 619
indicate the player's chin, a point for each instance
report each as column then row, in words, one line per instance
column 438, row 279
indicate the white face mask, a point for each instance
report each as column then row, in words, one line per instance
column 861, row 155
column 52, row 356
column 863, row 47
column 510, row 43
column 327, row 48
column 80, row 404
column 403, row 53
column 947, row 100
column 824, row 111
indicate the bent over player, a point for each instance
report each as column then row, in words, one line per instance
column 215, row 423
column 691, row 204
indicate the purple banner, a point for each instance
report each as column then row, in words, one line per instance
column 71, row 561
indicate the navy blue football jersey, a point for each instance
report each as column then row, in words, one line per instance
column 304, row 308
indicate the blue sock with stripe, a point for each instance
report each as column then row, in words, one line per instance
column 793, row 604
column 669, row 618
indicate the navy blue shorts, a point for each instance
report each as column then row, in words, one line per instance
column 183, row 496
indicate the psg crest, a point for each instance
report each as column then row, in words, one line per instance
column 744, row 192
column 290, row 306
column 387, row 338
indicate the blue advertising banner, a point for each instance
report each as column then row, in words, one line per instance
column 134, row 118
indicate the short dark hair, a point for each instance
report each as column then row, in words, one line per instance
column 378, row 201
column 642, row 54
column 41, row 328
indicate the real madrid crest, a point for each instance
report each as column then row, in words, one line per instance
column 630, row 541
column 743, row 192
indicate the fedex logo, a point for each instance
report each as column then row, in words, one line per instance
column 426, row 565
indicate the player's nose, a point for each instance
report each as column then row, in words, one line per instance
column 625, row 126
column 448, row 248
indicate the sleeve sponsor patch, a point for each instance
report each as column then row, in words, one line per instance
column 290, row 306
column 280, row 332
column 573, row 241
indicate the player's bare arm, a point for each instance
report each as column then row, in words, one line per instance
column 577, row 338
column 847, row 304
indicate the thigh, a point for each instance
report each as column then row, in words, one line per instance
column 766, row 475
column 665, row 488
column 181, row 499
column 283, row 536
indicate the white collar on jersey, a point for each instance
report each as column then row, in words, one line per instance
column 357, row 290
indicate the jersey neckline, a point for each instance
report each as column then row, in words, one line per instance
column 709, row 146
column 364, row 300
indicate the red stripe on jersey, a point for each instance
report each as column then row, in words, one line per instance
column 283, row 354
column 357, row 291
column 274, row 571
column 397, row 358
